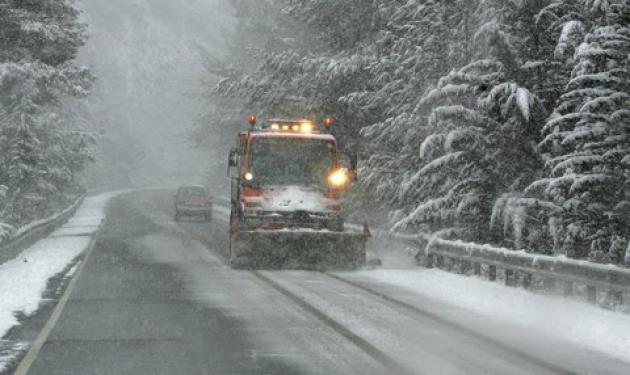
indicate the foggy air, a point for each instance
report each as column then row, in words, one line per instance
column 314, row 187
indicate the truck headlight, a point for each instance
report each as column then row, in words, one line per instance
column 339, row 178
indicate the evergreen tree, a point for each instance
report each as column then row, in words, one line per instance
column 421, row 42
column 43, row 144
column 582, row 203
column 480, row 147
column 450, row 99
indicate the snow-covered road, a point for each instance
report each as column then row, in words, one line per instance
column 156, row 297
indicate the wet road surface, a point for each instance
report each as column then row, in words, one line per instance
column 156, row 297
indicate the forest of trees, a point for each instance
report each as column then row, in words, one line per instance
column 43, row 138
column 493, row 121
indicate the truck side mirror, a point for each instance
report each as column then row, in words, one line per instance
column 354, row 163
column 233, row 163
column 351, row 162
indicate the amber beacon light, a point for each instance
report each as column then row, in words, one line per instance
column 328, row 121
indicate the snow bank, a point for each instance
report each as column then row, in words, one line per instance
column 32, row 225
column 564, row 319
column 9, row 233
column 23, row 280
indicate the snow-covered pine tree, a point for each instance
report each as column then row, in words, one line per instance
column 543, row 71
column 480, row 125
column 22, row 157
column 45, row 30
column 477, row 150
column 322, row 61
column 257, row 32
column 373, row 71
column 550, row 43
column 339, row 25
column 589, row 144
column 421, row 42
column 40, row 150
column 582, row 202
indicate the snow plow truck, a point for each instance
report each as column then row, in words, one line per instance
column 287, row 209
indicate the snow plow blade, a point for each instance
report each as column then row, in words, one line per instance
column 306, row 250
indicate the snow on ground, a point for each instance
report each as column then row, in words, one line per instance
column 23, row 280
column 30, row 226
column 7, row 232
column 564, row 319
column 9, row 351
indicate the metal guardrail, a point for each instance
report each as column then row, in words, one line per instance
column 27, row 236
column 605, row 285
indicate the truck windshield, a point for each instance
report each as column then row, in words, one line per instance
column 291, row 161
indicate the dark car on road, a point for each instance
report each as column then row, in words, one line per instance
column 193, row 201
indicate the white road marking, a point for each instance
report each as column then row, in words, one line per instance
column 34, row 350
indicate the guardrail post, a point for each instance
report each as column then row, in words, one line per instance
column 569, row 277
column 614, row 298
column 428, row 261
column 492, row 273
column 527, row 280
column 568, row 288
column 509, row 277
column 591, row 294
column 464, row 266
column 450, row 264
column 440, row 262
column 477, row 269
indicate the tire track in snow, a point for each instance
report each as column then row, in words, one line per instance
column 379, row 356
column 463, row 329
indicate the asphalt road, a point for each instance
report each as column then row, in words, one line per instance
column 156, row 297
column 152, row 300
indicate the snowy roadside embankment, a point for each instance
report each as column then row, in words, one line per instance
column 14, row 237
column 23, row 280
column 492, row 304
